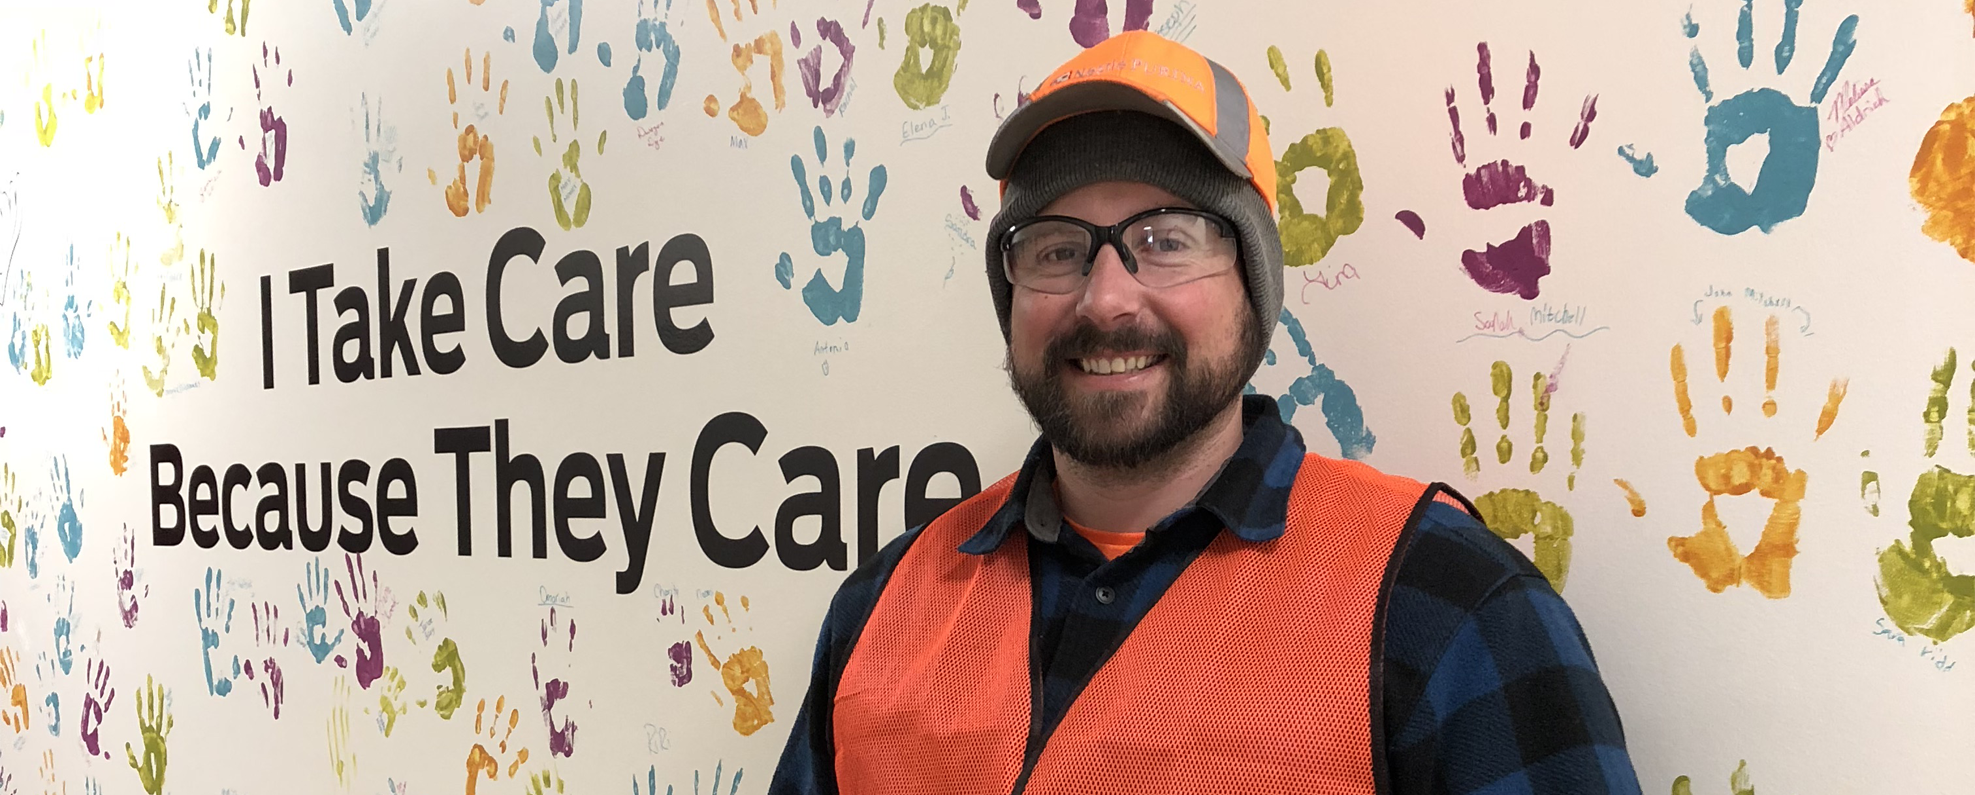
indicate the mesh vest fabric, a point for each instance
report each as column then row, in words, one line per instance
column 1252, row 673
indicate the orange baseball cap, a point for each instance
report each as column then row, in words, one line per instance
column 1145, row 72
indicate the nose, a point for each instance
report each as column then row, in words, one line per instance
column 1112, row 296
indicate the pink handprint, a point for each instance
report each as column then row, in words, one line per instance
column 562, row 740
column 360, row 606
column 95, row 702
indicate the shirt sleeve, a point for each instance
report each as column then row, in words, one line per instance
column 1490, row 685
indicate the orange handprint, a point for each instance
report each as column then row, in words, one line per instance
column 471, row 143
column 479, row 760
column 14, row 714
column 745, row 667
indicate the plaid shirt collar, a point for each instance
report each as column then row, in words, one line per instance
column 1249, row 496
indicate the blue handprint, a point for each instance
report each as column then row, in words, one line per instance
column 63, row 600
column 315, row 612
column 829, row 236
column 380, row 155
column 53, row 720
column 651, row 782
column 653, row 35
column 204, row 152
column 32, row 553
column 68, row 526
column 362, row 16
column 74, row 327
column 1789, row 171
column 1342, row 415
column 566, row 22
column 214, row 620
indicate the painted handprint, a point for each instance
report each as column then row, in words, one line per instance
column 116, row 437
column 13, row 514
column 46, row 121
column 122, row 266
column 68, row 524
column 75, row 310
column 1714, row 556
column 358, row 17
column 472, row 145
column 1513, row 513
column 213, row 606
column 212, row 7
column 207, row 294
column 380, row 158
column 14, row 712
column 821, row 95
column 270, row 163
column 568, row 193
column 1515, row 265
column 427, row 622
column 428, row 615
column 199, row 108
column 61, row 605
column 544, row 782
column 1918, row 590
column 1320, row 386
column 270, row 636
column 165, row 333
column 744, row 674
column 653, row 36
column 481, row 762
column 1789, row 170
column 360, row 605
column 342, row 757
column 1738, row 782
column 1942, row 172
column 1307, row 237
column 154, row 722
column 558, row 31
column 390, row 700
column 97, row 697
column 747, row 112
column 921, row 82
column 556, row 647
column 1090, row 20
column 314, row 595
column 829, row 236
column 124, row 563
column 168, row 172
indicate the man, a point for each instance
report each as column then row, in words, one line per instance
column 1171, row 595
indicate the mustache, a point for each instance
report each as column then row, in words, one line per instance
column 1086, row 339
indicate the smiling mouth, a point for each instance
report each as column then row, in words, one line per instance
column 1117, row 365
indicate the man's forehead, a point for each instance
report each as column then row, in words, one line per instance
column 1116, row 195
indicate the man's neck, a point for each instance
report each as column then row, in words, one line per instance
column 1132, row 500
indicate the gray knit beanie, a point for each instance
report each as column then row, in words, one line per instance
column 1128, row 146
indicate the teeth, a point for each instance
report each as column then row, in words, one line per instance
column 1114, row 365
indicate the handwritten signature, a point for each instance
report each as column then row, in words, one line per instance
column 551, row 598
column 1928, row 652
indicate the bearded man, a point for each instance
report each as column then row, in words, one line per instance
column 1172, row 595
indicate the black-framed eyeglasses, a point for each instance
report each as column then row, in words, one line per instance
column 1162, row 247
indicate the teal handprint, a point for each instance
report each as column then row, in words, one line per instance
column 68, row 525
column 653, row 36
column 1789, row 170
column 828, row 236
column 559, row 19
column 314, row 593
column 1342, row 415
column 214, row 620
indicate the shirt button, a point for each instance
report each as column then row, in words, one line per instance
column 1106, row 596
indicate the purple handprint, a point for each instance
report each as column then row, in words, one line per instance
column 268, row 634
column 681, row 655
column 811, row 66
column 125, row 561
column 562, row 740
column 272, row 691
column 360, row 606
column 95, row 702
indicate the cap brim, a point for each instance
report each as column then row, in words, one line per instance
column 1090, row 96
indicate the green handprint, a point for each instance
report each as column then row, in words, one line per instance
column 162, row 327
column 1307, row 236
column 568, row 192
column 1510, row 512
column 1738, row 782
column 11, row 516
column 1916, row 588
column 544, row 782
column 154, row 722
column 120, row 270
column 933, row 28
column 445, row 658
column 205, row 349
column 390, row 699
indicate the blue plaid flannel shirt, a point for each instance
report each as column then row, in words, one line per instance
column 1488, row 684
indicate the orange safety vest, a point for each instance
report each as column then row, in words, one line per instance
column 1251, row 674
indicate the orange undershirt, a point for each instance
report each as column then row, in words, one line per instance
column 1109, row 543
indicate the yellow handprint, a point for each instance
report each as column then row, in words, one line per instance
column 154, row 722
column 162, row 327
column 205, row 347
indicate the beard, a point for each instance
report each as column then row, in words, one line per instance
column 1130, row 429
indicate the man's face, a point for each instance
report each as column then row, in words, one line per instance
column 1187, row 350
